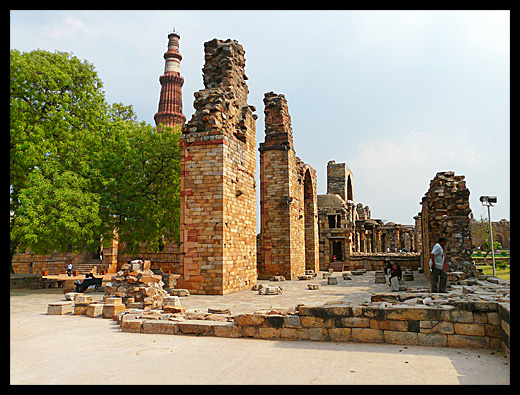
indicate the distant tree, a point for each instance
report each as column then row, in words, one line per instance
column 486, row 247
column 80, row 168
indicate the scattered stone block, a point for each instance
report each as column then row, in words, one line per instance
column 358, row 272
column 112, row 310
column 59, row 308
column 113, row 300
column 270, row 290
column 314, row 286
column 71, row 295
column 332, row 280
column 83, row 299
column 80, row 309
column 179, row 292
column 171, row 301
column 218, row 311
column 94, row 310
column 174, row 309
column 305, row 277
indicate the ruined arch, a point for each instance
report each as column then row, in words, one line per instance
column 310, row 203
column 350, row 189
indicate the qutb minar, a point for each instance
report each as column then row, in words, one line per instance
column 170, row 101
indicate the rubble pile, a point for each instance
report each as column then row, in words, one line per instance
column 137, row 286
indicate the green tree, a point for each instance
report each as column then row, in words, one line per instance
column 139, row 181
column 486, row 247
column 80, row 168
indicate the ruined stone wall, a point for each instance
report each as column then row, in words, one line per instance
column 288, row 201
column 445, row 212
column 501, row 232
column 340, row 180
column 474, row 324
column 218, row 165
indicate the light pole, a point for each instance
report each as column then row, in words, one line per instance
column 488, row 201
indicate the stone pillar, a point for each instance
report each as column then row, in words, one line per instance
column 282, row 222
column 445, row 212
column 218, row 165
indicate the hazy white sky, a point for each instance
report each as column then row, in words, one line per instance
column 397, row 95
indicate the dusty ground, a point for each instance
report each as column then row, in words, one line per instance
column 47, row 349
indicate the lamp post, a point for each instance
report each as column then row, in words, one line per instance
column 488, row 201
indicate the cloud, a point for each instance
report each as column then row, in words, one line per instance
column 392, row 175
column 66, row 28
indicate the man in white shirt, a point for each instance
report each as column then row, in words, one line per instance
column 437, row 261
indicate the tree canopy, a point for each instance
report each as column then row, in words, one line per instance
column 80, row 168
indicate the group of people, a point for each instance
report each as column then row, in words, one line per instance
column 438, row 268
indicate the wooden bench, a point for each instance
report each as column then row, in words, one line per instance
column 336, row 266
column 48, row 283
column 97, row 282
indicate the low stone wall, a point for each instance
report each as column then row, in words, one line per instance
column 475, row 324
column 489, row 260
column 24, row 280
column 376, row 261
column 504, row 311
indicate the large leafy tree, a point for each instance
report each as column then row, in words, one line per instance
column 81, row 169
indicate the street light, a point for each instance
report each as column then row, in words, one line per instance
column 489, row 201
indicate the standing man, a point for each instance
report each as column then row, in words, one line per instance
column 437, row 262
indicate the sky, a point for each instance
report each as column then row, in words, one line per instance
column 396, row 95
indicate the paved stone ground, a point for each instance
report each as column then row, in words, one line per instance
column 357, row 290
column 47, row 349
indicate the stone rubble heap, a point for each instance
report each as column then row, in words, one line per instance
column 137, row 286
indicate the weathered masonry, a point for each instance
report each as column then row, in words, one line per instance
column 218, row 165
column 465, row 324
column 446, row 212
column 288, row 200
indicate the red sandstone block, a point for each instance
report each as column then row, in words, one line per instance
column 197, row 279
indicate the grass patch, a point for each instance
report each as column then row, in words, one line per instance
column 500, row 273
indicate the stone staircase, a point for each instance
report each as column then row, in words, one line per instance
column 88, row 266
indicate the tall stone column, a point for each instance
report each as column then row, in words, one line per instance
column 218, row 166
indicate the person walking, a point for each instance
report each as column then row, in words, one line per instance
column 437, row 266
column 69, row 270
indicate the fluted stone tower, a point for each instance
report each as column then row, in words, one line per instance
column 170, row 102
